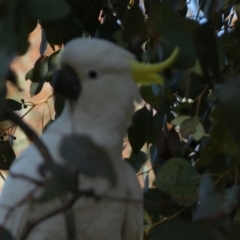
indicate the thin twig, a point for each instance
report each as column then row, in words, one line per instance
column 169, row 218
column 199, row 98
column 1, row 175
column 26, row 178
column 30, row 133
column 46, row 157
column 225, row 173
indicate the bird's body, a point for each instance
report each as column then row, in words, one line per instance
column 102, row 108
column 103, row 219
column 102, row 113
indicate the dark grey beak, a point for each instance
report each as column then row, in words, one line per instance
column 66, row 82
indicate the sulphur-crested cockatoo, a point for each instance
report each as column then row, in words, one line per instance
column 98, row 78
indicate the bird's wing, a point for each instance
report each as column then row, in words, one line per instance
column 133, row 220
column 16, row 192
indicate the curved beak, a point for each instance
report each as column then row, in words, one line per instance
column 148, row 73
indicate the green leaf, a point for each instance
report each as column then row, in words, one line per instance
column 231, row 147
column 188, row 126
column 53, row 60
column 230, row 198
column 15, row 28
column 8, row 40
column 54, row 37
column 87, row 157
column 209, row 201
column 134, row 24
column 40, row 69
column 108, row 29
column 148, row 96
column 122, row 3
column 64, row 30
column 47, row 10
column 5, row 234
column 48, row 124
column 35, row 88
column 13, row 105
column 180, row 180
column 58, row 105
column 199, row 132
column 90, row 14
column 169, row 230
column 147, row 220
column 137, row 161
column 7, row 155
column 207, row 155
column 157, row 125
column 29, row 74
column 167, row 24
column 62, row 181
column 206, row 49
column 137, row 131
column 173, row 141
column 24, row 25
column 184, row 108
column 179, row 120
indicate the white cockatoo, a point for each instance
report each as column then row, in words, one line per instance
column 99, row 76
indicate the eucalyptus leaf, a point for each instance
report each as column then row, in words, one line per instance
column 199, row 132
column 137, row 131
column 137, row 161
column 53, row 60
column 13, row 104
column 179, row 120
column 230, row 198
column 168, row 24
column 35, row 88
column 180, row 180
column 209, row 205
column 149, row 96
column 47, row 10
column 5, row 234
column 188, row 127
column 7, row 155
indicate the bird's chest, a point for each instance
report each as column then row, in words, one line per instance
column 94, row 219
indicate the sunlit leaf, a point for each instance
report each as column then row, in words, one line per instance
column 199, row 132
column 179, row 120
column 53, row 60
column 188, row 127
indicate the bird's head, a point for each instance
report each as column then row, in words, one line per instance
column 97, row 75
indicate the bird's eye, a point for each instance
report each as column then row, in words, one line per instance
column 93, row 74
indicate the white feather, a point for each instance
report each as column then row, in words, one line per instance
column 102, row 112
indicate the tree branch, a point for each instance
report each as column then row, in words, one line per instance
column 69, row 216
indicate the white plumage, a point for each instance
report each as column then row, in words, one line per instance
column 102, row 112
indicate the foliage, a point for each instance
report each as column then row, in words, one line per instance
column 190, row 123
